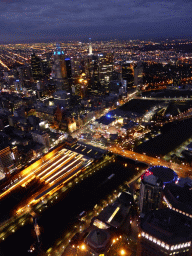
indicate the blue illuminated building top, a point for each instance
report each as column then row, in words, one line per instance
column 165, row 174
column 59, row 53
column 67, row 59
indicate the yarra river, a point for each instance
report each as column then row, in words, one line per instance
column 60, row 215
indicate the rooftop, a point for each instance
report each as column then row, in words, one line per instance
column 165, row 174
column 105, row 120
column 115, row 214
column 179, row 197
column 153, row 180
column 168, row 226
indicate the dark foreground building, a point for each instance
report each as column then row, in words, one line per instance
column 179, row 198
column 165, row 232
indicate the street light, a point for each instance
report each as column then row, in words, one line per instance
column 83, row 247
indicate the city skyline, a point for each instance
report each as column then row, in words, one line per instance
column 50, row 20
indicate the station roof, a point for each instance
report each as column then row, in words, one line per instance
column 87, row 150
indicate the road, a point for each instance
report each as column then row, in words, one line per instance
column 181, row 170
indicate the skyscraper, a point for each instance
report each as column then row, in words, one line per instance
column 105, row 69
column 68, row 67
column 152, row 183
column 138, row 75
column 150, row 194
column 36, row 66
column 90, row 47
column 128, row 73
column 59, row 70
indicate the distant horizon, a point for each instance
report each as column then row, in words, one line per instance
column 86, row 40
column 25, row 21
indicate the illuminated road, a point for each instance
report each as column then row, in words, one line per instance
column 4, row 65
column 182, row 170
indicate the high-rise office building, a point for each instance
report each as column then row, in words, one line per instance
column 36, row 66
column 90, row 47
column 128, row 73
column 92, row 71
column 138, row 75
column 59, row 70
column 105, row 69
column 150, row 194
column 165, row 232
column 68, row 67
column 69, row 71
column 25, row 76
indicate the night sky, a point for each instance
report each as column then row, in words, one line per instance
column 53, row 20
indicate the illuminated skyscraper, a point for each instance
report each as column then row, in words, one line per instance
column 59, row 70
column 90, row 47
column 105, row 69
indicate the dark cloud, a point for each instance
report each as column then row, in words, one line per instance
column 48, row 18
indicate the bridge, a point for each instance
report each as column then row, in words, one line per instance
column 164, row 98
column 181, row 169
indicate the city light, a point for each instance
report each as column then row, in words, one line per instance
column 122, row 252
column 83, row 247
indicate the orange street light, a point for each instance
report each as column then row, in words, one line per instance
column 122, row 252
column 83, row 247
